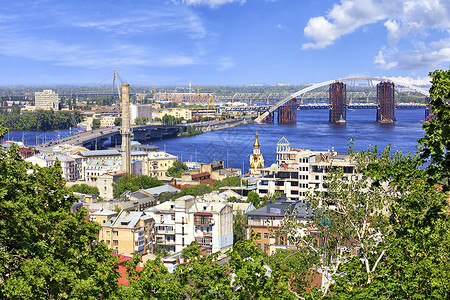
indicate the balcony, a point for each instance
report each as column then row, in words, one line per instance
column 202, row 219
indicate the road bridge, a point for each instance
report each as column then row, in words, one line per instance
column 337, row 95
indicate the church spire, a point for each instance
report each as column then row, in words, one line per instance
column 256, row 144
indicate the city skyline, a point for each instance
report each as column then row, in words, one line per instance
column 221, row 41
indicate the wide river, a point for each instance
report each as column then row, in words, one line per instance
column 312, row 131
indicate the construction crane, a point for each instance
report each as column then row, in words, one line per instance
column 211, row 98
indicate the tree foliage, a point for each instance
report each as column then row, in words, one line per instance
column 133, row 183
column 177, row 169
column 141, row 121
column 239, row 223
column 95, row 124
column 84, row 189
column 40, row 120
column 46, row 251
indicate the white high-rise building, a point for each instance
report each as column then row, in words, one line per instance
column 47, row 99
column 141, row 110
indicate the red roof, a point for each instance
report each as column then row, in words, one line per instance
column 202, row 214
column 198, row 175
column 123, row 280
column 208, row 181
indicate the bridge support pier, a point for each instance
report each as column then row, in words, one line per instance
column 385, row 102
column 338, row 103
column 287, row 114
column 269, row 119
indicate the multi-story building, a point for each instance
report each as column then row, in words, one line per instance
column 141, row 110
column 47, row 99
column 130, row 232
column 159, row 163
column 185, row 113
column 264, row 222
column 183, row 97
column 298, row 171
column 106, row 121
column 180, row 222
column 47, row 160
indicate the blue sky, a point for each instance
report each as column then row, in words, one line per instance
column 220, row 41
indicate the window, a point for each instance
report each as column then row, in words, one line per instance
column 115, row 242
column 182, row 241
column 115, row 233
column 172, row 217
column 108, row 233
column 108, row 242
column 266, row 247
column 266, row 235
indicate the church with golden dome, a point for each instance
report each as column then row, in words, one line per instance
column 256, row 159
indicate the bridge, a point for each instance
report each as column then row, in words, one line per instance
column 287, row 108
column 96, row 139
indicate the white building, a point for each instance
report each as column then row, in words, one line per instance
column 141, row 110
column 298, row 171
column 48, row 160
column 180, row 222
column 47, row 99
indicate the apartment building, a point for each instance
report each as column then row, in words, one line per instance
column 141, row 110
column 180, row 222
column 47, row 99
column 298, row 171
column 264, row 223
column 48, row 160
column 159, row 163
column 130, row 232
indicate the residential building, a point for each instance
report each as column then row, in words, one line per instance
column 47, row 160
column 130, row 232
column 183, row 97
column 264, row 222
column 184, row 113
column 47, row 99
column 141, row 110
column 298, row 171
column 180, row 222
column 106, row 120
column 105, row 184
column 159, row 163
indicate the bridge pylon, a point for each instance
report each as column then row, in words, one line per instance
column 338, row 102
column 385, row 102
column 287, row 113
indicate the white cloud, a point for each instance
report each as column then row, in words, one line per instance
column 414, row 19
column 225, row 63
column 211, row 3
column 380, row 60
column 82, row 56
column 341, row 20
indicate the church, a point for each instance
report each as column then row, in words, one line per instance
column 256, row 159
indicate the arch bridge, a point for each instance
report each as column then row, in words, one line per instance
column 287, row 108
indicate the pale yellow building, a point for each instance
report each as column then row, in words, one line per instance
column 130, row 232
column 105, row 121
column 185, row 113
column 159, row 163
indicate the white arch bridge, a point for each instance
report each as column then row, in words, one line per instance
column 272, row 108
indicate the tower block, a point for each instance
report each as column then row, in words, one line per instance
column 338, row 102
column 385, row 102
column 126, row 133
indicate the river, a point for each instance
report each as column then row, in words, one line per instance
column 312, row 131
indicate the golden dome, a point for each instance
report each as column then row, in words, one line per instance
column 256, row 144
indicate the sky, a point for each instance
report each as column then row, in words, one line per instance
column 215, row 42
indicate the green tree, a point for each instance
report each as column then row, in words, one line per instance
column 46, row 251
column 84, row 189
column 196, row 190
column 165, row 196
column 254, row 198
column 177, row 169
column 95, row 124
column 239, row 224
column 141, row 121
column 436, row 142
column 228, row 181
column 117, row 121
column 133, row 183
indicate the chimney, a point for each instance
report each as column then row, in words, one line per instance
column 126, row 133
